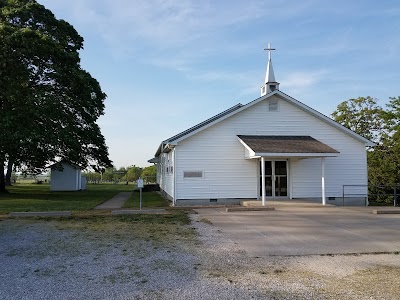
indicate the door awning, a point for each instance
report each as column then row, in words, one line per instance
column 285, row 146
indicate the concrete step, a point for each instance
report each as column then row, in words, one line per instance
column 259, row 208
column 386, row 211
column 283, row 202
column 137, row 211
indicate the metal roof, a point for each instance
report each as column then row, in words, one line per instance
column 239, row 107
column 202, row 124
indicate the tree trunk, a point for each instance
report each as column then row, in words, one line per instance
column 2, row 178
column 9, row 172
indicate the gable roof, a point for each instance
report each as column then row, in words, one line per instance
column 239, row 107
column 284, row 144
column 202, row 124
column 196, row 128
column 58, row 165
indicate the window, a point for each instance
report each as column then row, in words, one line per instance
column 272, row 87
column 273, row 105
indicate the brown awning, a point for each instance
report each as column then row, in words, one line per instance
column 302, row 145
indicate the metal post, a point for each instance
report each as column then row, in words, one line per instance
column 343, row 196
column 323, row 181
column 395, row 196
column 140, row 198
column 140, row 186
column 263, row 180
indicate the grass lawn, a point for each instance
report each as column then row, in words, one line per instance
column 37, row 197
column 149, row 200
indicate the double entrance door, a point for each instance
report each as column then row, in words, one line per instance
column 276, row 178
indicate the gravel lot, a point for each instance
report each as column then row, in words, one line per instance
column 115, row 260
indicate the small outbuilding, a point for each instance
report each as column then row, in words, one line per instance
column 66, row 177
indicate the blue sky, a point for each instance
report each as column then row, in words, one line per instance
column 167, row 65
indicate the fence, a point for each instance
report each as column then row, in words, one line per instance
column 384, row 194
column 355, row 191
column 377, row 194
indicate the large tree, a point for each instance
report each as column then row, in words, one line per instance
column 362, row 115
column 149, row 174
column 49, row 104
column 133, row 173
column 382, row 125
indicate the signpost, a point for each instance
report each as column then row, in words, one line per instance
column 140, row 186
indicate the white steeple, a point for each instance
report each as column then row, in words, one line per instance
column 270, row 83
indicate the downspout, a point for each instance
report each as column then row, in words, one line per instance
column 323, row 180
column 174, row 197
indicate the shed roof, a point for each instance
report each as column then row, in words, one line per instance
column 285, row 144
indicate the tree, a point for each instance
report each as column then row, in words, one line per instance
column 367, row 118
column 108, row 174
column 149, row 173
column 133, row 173
column 389, row 148
column 49, row 104
column 362, row 115
column 93, row 177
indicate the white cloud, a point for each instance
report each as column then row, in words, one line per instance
column 303, row 80
column 168, row 23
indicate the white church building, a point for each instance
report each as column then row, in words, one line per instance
column 274, row 147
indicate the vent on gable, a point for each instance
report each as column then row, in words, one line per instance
column 273, row 105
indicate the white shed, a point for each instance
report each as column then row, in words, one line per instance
column 67, row 179
column 274, row 147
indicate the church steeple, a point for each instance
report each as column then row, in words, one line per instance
column 270, row 83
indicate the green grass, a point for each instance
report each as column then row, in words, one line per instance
column 149, row 200
column 37, row 197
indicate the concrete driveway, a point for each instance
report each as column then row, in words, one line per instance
column 306, row 231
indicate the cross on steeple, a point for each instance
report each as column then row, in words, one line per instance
column 269, row 49
column 270, row 84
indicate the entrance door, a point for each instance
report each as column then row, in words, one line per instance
column 276, row 182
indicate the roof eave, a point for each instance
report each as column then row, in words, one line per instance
column 266, row 96
column 328, row 120
column 302, row 154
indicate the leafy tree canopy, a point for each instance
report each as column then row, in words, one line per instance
column 150, row 173
column 362, row 115
column 382, row 125
column 133, row 173
column 49, row 104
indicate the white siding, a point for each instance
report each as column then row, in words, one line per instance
column 67, row 180
column 227, row 174
column 165, row 172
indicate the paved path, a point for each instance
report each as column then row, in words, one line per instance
column 305, row 231
column 115, row 202
column 41, row 214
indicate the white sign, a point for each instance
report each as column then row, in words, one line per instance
column 140, row 183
